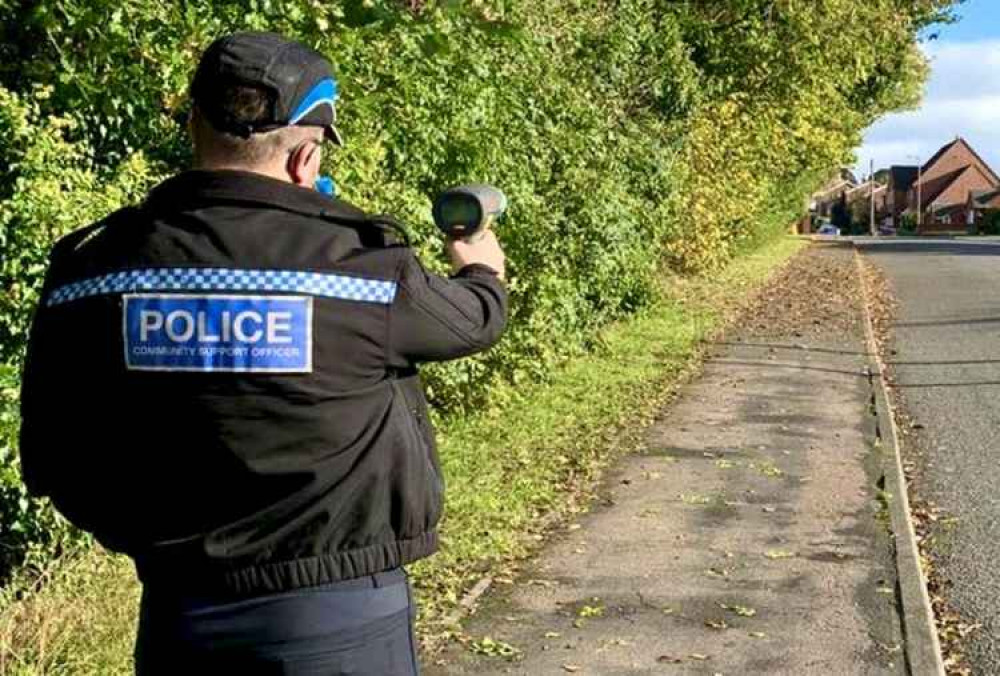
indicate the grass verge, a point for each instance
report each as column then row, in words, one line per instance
column 513, row 476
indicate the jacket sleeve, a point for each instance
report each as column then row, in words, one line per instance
column 50, row 467
column 434, row 318
column 55, row 461
column 43, row 379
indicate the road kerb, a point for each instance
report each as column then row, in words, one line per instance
column 922, row 647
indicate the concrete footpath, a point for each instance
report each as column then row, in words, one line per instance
column 748, row 538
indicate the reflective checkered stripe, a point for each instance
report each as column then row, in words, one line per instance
column 224, row 279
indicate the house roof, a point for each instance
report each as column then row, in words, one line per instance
column 937, row 156
column 948, row 146
column 832, row 190
column 864, row 190
column 932, row 189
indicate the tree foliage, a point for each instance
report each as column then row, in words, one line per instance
column 629, row 135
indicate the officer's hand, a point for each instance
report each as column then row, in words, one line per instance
column 484, row 250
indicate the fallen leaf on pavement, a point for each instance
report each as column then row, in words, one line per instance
column 742, row 611
column 492, row 647
column 779, row 554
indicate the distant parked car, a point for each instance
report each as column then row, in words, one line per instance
column 886, row 230
column 828, row 229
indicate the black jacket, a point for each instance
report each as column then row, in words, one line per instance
column 221, row 383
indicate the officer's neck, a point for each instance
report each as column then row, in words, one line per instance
column 277, row 173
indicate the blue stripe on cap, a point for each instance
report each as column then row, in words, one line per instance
column 227, row 279
column 325, row 91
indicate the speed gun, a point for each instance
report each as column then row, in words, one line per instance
column 467, row 211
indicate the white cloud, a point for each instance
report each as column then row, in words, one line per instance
column 962, row 99
column 963, row 69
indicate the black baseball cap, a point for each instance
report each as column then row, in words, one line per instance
column 298, row 79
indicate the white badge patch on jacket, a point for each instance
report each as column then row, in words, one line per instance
column 191, row 332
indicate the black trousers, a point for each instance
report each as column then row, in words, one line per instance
column 362, row 627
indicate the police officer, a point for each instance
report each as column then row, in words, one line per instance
column 222, row 383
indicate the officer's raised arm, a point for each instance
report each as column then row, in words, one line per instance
column 435, row 318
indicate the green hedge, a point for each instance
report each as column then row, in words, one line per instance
column 628, row 135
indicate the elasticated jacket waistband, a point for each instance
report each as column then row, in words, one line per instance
column 279, row 576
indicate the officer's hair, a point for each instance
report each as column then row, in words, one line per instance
column 248, row 103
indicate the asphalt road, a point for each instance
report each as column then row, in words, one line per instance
column 947, row 366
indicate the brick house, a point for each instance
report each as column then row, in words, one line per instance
column 942, row 191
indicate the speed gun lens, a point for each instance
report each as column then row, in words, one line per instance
column 465, row 210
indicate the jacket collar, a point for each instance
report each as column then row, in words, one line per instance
column 199, row 188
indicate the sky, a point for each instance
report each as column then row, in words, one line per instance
column 962, row 96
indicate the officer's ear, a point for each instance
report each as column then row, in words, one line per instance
column 303, row 162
